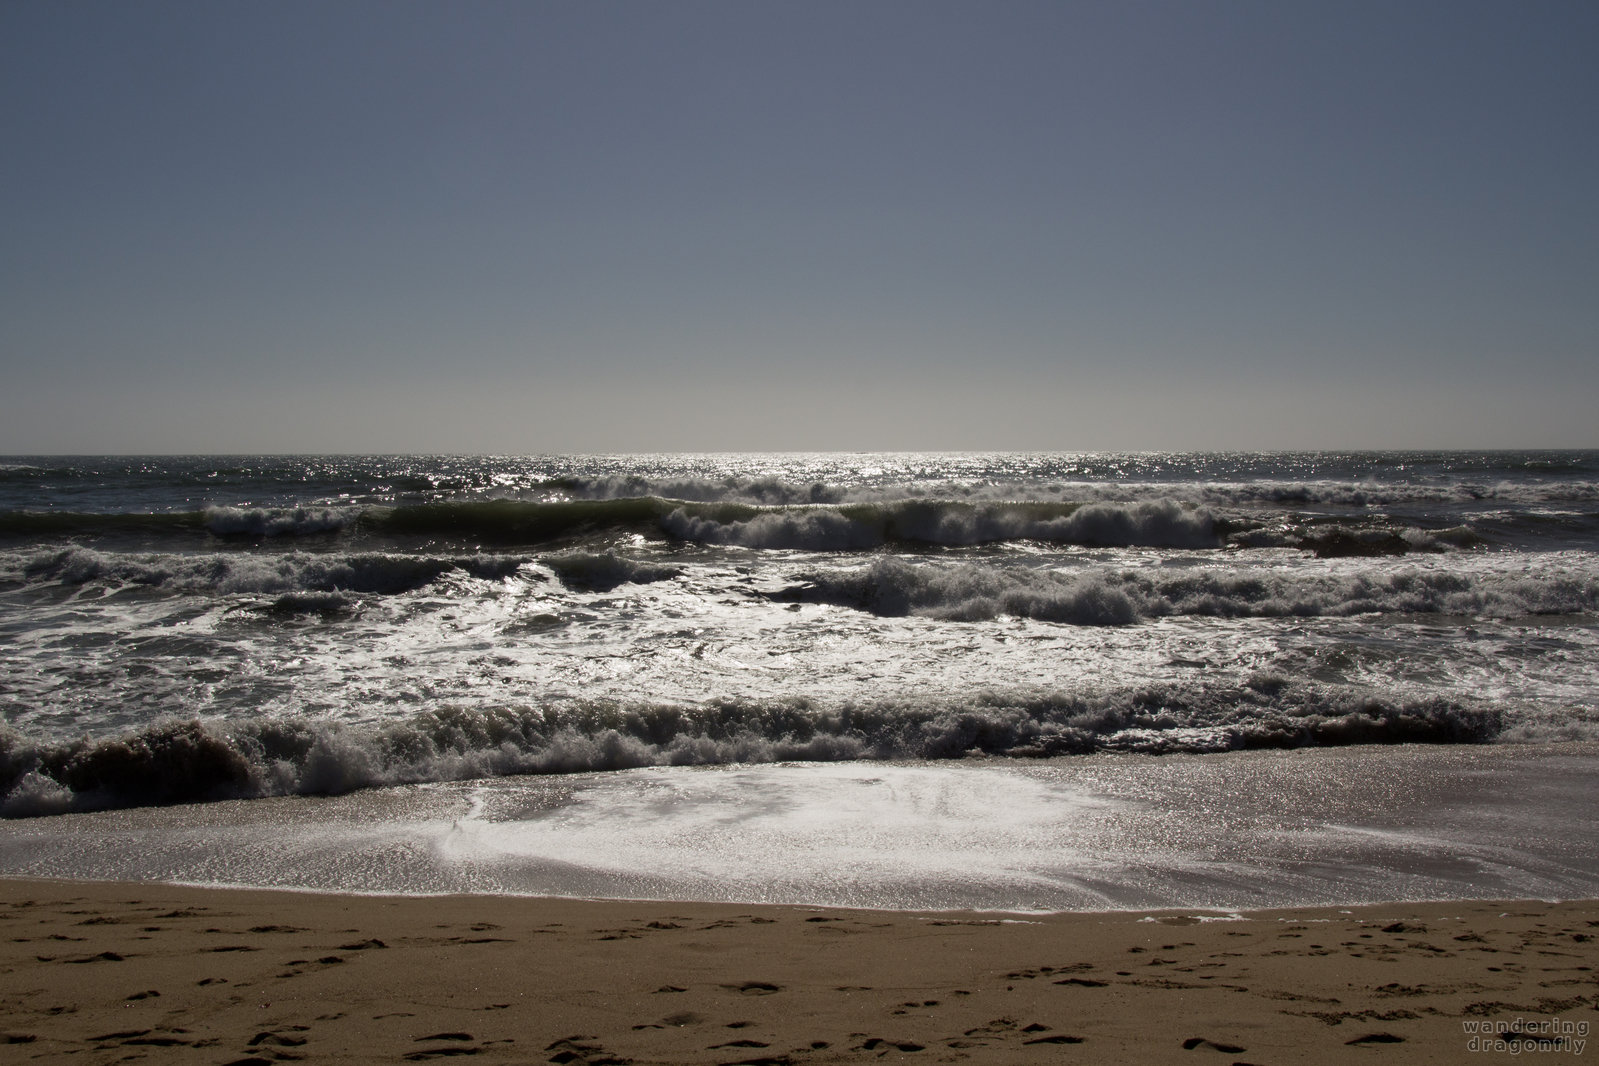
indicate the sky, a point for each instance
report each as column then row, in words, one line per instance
column 702, row 225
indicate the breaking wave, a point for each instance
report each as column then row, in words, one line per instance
column 819, row 519
column 277, row 521
column 766, row 491
column 888, row 586
column 1155, row 524
column 314, row 582
column 604, row 571
column 1226, row 494
column 290, row 572
column 193, row 761
column 974, row 591
column 508, row 523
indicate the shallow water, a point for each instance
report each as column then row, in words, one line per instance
column 1246, row 829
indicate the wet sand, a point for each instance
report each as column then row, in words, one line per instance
column 106, row 972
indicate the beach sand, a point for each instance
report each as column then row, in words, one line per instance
column 103, row 972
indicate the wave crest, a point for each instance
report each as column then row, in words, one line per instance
column 193, row 761
column 604, row 571
column 894, row 587
column 1154, row 523
column 276, row 521
column 291, row 572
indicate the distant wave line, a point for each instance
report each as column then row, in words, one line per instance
column 890, row 586
column 508, row 524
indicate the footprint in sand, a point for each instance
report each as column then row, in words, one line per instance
column 157, row 1040
column 452, row 1047
column 875, row 1042
column 1374, row 1038
column 1009, row 1027
column 576, row 1049
column 750, row 919
column 119, row 1037
column 1196, row 1042
column 440, row 1053
column 271, row 1039
column 754, row 988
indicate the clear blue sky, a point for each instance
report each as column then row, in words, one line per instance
column 382, row 225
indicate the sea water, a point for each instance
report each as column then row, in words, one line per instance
column 910, row 680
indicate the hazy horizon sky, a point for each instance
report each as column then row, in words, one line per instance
column 395, row 226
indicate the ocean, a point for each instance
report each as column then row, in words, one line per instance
column 1003, row 681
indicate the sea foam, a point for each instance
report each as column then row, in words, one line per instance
column 193, row 760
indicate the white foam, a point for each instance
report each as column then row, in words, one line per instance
column 1567, row 584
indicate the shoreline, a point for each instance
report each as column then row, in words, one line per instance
column 117, row 971
column 1205, row 912
column 1252, row 830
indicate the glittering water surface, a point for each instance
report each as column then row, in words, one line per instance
column 180, row 630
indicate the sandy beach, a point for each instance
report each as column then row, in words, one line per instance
column 101, row 972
